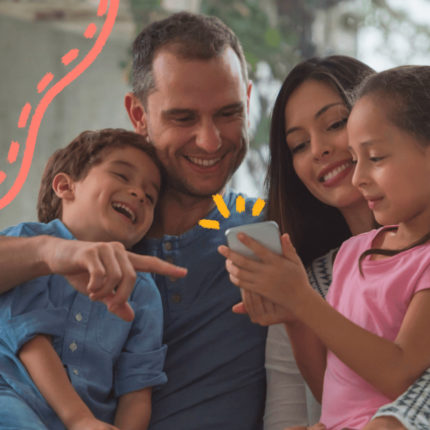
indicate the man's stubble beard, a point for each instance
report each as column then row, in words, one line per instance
column 178, row 185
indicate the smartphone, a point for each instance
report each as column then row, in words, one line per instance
column 266, row 232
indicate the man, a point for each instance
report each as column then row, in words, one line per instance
column 190, row 99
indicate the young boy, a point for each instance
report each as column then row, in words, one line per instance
column 65, row 361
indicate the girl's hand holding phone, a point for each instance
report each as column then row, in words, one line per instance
column 281, row 279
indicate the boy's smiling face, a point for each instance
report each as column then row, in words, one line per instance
column 116, row 199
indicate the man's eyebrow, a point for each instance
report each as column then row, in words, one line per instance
column 233, row 106
column 316, row 116
column 177, row 111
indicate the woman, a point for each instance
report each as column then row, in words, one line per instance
column 311, row 196
column 310, row 113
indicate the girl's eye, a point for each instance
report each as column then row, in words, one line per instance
column 150, row 198
column 338, row 124
column 376, row 159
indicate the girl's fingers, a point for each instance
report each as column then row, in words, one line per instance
column 238, row 259
column 259, row 250
column 243, row 275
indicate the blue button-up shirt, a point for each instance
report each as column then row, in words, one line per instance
column 104, row 356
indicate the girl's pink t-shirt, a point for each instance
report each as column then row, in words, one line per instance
column 377, row 302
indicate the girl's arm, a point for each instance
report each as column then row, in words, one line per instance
column 389, row 366
column 47, row 371
column 134, row 410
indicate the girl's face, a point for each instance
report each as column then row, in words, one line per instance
column 392, row 170
column 315, row 127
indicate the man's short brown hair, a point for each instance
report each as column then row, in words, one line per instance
column 190, row 36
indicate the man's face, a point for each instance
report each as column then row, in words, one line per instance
column 197, row 119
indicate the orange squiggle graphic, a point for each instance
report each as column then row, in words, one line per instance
column 40, row 110
column 90, row 31
column 44, row 82
column 13, row 152
column 70, row 56
column 102, row 7
column 23, row 117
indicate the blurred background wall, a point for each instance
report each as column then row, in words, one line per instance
column 276, row 34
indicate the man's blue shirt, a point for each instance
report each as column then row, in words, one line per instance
column 104, row 356
column 215, row 360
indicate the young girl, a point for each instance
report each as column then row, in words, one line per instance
column 374, row 333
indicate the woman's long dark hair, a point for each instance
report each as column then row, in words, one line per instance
column 314, row 227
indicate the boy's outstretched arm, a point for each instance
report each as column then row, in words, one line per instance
column 20, row 260
column 134, row 410
column 47, row 371
column 104, row 270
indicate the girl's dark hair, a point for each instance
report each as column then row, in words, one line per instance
column 79, row 156
column 404, row 93
column 314, row 227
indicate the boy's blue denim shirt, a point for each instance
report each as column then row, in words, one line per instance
column 104, row 356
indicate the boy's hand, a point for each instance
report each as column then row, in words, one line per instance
column 105, row 271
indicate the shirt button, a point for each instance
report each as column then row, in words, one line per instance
column 176, row 298
column 76, row 371
column 78, row 317
column 170, row 260
column 168, row 246
column 73, row 347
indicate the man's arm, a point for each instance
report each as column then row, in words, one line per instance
column 47, row 371
column 134, row 410
column 105, row 271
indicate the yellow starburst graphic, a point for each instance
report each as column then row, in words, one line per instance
column 223, row 210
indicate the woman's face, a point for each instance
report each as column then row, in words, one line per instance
column 315, row 127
